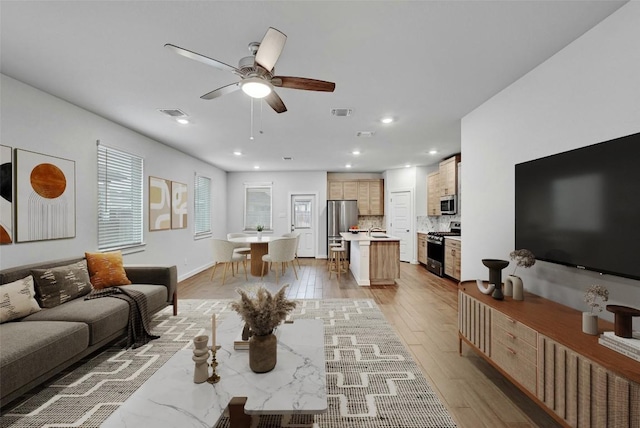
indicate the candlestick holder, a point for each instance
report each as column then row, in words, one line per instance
column 214, row 378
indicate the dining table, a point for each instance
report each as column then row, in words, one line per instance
column 259, row 247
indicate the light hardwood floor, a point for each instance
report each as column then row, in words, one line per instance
column 423, row 310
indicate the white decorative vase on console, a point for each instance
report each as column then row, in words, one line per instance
column 513, row 286
column 590, row 323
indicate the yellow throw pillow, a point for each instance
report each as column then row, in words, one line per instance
column 106, row 269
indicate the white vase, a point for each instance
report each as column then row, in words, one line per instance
column 590, row 323
column 507, row 288
column 259, row 234
column 517, row 287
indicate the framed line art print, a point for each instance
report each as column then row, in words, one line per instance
column 6, row 195
column 178, row 205
column 45, row 197
column 159, row 204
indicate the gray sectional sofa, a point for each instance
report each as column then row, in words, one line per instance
column 40, row 345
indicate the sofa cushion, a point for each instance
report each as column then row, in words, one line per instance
column 37, row 348
column 17, row 299
column 104, row 317
column 58, row 285
column 106, row 269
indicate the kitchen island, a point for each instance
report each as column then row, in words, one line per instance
column 375, row 259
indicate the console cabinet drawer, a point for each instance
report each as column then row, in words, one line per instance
column 515, row 363
column 515, row 328
column 516, row 344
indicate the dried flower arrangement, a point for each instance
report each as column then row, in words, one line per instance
column 594, row 294
column 263, row 312
column 524, row 258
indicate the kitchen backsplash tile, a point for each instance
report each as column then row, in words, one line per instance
column 367, row 221
column 436, row 223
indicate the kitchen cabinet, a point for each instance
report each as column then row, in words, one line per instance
column 384, row 262
column 537, row 344
column 343, row 190
column 433, row 193
column 422, row 248
column 370, row 197
column 368, row 193
column 448, row 171
column 452, row 258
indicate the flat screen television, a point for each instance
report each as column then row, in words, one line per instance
column 581, row 208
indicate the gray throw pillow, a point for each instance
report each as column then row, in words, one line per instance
column 57, row 285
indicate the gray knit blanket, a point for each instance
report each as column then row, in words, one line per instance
column 138, row 330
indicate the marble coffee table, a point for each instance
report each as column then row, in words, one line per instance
column 297, row 385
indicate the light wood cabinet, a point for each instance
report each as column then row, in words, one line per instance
column 368, row 193
column 384, row 262
column 452, row 257
column 538, row 345
column 449, row 176
column 342, row 190
column 370, row 197
column 433, row 193
column 422, row 248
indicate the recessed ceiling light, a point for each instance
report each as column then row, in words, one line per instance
column 237, row 153
column 387, row 119
column 355, row 152
column 407, row 166
column 348, row 165
column 256, row 167
column 182, row 121
column 433, row 152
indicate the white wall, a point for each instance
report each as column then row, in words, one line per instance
column 587, row 93
column 284, row 184
column 35, row 121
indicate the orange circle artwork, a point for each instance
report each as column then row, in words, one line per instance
column 48, row 180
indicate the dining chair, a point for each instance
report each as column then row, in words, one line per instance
column 223, row 252
column 240, row 247
column 281, row 251
column 297, row 236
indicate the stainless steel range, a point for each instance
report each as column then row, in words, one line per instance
column 435, row 247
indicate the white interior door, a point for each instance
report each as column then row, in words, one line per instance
column 303, row 222
column 401, row 223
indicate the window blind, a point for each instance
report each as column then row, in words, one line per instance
column 120, row 210
column 202, row 211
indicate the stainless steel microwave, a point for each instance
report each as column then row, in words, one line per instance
column 448, row 204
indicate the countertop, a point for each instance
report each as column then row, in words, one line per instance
column 364, row 236
column 454, row 238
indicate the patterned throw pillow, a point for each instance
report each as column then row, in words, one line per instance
column 57, row 285
column 17, row 299
column 106, row 269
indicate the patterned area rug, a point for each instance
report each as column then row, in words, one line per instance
column 372, row 381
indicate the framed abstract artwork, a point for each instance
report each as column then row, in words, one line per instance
column 45, row 197
column 178, row 205
column 6, row 195
column 159, row 204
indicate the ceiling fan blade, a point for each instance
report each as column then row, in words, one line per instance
column 303, row 83
column 275, row 102
column 270, row 48
column 221, row 91
column 204, row 59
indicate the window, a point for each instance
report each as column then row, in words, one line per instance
column 119, row 199
column 202, row 206
column 257, row 206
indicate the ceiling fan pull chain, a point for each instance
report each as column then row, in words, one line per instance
column 251, row 137
column 261, row 104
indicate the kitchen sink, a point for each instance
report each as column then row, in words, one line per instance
column 379, row 235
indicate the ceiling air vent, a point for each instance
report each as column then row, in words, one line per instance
column 365, row 134
column 342, row 112
column 287, row 158
column 173, row 112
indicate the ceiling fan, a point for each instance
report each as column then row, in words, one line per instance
column 256, row 72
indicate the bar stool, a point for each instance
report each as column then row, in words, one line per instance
column 332, row 245
column 337, row 261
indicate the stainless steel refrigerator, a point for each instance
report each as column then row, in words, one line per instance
column 341, row 215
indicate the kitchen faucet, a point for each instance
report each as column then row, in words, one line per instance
column 374, row 229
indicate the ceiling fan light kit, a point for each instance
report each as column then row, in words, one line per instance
column 256, row 87
column 256, row 72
